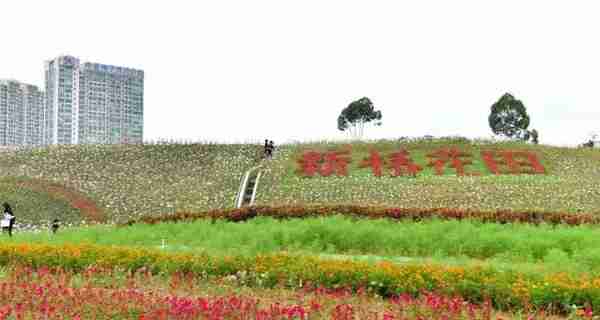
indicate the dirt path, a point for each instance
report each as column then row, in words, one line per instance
column 89, row 211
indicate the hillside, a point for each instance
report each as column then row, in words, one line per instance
column 132, row 180
column 129, row 181
column 521, row 261
column 37, row 205
column 571, row 182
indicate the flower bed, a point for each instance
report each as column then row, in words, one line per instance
column 312, row 162
column 284, row 212
column 56, row 294
column 505, row 289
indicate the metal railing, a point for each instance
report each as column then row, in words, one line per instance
column 239, row 200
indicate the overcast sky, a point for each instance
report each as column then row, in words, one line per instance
column 244, row 70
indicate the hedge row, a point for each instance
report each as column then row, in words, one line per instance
column 506, row 289
column 284, row 212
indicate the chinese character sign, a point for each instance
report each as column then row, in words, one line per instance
column 512, row 162
column 325, row 164
column 451, row 157
column 400, row 163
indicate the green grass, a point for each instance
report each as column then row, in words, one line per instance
column 561, row 248
column 571, row 182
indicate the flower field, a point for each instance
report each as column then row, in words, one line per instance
column 57, row 294
column 403, row 229
column 505, row 289
column 576, row 171
column 129, row 181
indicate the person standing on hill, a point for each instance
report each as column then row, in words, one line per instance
column 271, row 148
column 9, row 219
column 266, row 149
column 55, row 225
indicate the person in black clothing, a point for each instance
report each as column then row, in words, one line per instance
column 8, row 215
column 55, row 225
column 271, row 148
column 266, row 150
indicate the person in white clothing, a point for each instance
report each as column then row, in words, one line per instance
column 8, row 221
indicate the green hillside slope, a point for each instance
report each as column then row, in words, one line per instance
column 36, row 207
column 571, row 182
column 132, row 180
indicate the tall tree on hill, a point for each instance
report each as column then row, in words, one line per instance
column 509, row 118
column 358, row 114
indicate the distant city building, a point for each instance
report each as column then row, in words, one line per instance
column 21, row 114
column 62, row 101
column 93, row 103
column 111, row 104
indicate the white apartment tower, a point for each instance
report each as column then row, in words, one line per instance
column 62, row 101
column 21, row 114
column 92, row 103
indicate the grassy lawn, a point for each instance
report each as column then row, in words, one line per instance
column 524, row 247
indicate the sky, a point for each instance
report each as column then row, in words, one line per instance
column 242, row 71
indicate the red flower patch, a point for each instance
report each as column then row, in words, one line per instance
column 452, row 157
column 325, row 164
column 401, row 164
column 512, row 162
column 374, row 161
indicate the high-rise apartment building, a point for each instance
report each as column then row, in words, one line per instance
column 111, row 104
column 21, row 114
column 62, row 101
column 92, row 103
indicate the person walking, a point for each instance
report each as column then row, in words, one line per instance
column 266, row 147
column 8, row 220
column 55, row 225
column 271, row 148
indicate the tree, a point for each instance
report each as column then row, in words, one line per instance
column 358, row 113
column 509, row 118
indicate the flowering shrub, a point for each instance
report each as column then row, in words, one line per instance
column 284, row 212
column 505, row 289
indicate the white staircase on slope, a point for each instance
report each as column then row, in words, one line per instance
column 247, row 192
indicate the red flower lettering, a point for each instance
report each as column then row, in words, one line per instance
column 451, row 156
column 402, row 164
